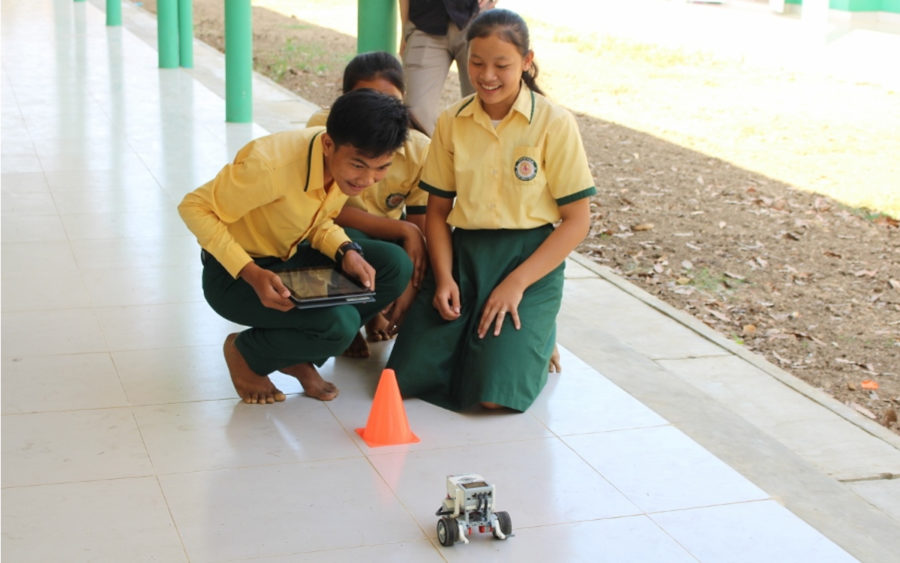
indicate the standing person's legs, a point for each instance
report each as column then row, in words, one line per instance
column 459, row 52
column 426, row 63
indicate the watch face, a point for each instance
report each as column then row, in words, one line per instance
column 347, row 246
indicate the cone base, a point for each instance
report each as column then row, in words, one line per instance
column 374, row 443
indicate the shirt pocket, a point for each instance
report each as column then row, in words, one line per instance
column 528, row 168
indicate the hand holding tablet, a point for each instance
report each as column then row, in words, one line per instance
column 323, row 286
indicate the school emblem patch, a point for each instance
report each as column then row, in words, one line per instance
column 526, row 169
column 393, row 201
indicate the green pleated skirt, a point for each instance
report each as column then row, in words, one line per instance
column 445, row 363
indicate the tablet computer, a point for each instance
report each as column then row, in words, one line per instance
column 323, row 286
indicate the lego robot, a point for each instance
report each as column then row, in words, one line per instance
column 470, row 504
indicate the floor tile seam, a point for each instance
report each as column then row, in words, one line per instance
column 104, row 306
column 731, row 348
column 548, row 438
column 68, row 411
column 130, row 406
column 658, row 524
column 20, row 357
column 748, row 501
column 636, row 502
column 143, row 405
column 767, row 497
column 348, row 548
column 135, row 477
column 267, row 465
column 599, row 473
column 172, row 519
column 396, row 494
column 564, row 435
column 112, row 308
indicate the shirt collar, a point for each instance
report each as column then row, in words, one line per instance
column 315, row 162
column 524, row 105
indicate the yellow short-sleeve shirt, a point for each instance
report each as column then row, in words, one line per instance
column 399, row 191
column 514, row 175
column 267, row 201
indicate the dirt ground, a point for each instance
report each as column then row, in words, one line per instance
column 811, row 284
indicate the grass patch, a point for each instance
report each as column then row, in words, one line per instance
column 705, row 280
column 303, row 57
column 621, row 49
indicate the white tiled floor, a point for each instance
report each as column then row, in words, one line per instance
column 122, row 439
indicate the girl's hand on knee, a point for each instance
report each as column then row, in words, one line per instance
column 446, row 301
column 398, row 309
column 503, row 301
column 414, row 245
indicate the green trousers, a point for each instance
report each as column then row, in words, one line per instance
column 280, row 339
column 445, row 363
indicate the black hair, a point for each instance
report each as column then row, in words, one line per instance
column 372, row 66
column 374, row 123
column 510, row 27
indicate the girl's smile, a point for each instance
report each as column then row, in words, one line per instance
column 495, row 69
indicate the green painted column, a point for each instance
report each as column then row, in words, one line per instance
column 185, row 33
column 113, row 12
column 238, row 61
column 376, row 26
column 167, row 33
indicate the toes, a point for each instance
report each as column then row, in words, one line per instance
column 325, row 392
column 264, row 398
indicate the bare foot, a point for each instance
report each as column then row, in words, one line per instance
column 555, row 365
column 378, row 329
column 358, row 348
column 251, row 387
column 313, row 384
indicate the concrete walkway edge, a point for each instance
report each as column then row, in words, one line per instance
column 870, row 426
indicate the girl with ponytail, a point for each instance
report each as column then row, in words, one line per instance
column 509, row 190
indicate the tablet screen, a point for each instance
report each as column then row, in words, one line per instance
column 319, row 283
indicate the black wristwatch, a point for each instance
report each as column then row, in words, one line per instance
column 343, row 249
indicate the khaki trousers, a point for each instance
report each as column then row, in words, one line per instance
column 426, row 62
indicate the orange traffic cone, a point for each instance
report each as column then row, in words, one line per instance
column 387, row 424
